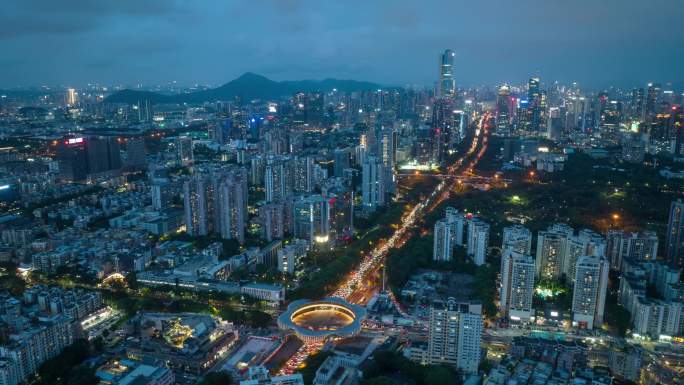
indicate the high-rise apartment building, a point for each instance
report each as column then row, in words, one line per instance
column 589, row 294
column 136, row 157
column 184, row 151
column 621, row 245
column 517, row 238
column 517, row 285
column 443, row 244
column 454, row 335
column 312, row 220
column 216, row 202
column 551, row 247
column 478, row 240
column 457, row 223
column 271, row 218
column 675, row 234
column 373, row 184
column 586, row 242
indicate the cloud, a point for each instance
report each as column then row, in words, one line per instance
column 388, row 41
column 48, row 17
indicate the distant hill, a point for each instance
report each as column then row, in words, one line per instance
column 248, row 86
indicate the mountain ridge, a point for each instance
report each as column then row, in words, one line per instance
column 249, row 86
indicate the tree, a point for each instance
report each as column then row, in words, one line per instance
column 381, row 380
column 311, row 365
column 83, row 375
column 217, row 378
column 132, row 280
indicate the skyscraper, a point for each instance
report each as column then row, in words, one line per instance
column 271, row 217
column 71, row 97
column 198, row 203
column 215, row 201
column 303, row 174
column 231, row 205
column 536, row 101
column 503, row 110
column 276, row 179
column 373, row 184
column 551, row 246
column 340, row 161
column 621, row 245
column 478, row 240
column 184, row 152
column 586, row 242
column 457, row 224
column 675, row 234
column 443, row 244
column 71, row 154
column 312, row 220
column 651, row 104
column 517, row 238
column 589, row 294
column 454, row 335
column 83, row 157
column 135, row 153
column 517, row 285
column 447, row 84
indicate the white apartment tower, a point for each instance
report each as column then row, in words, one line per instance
column 517, row 285
column 478, row 240
column 454, row 335
column 589, row 297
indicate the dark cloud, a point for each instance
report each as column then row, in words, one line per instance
column 392, row 42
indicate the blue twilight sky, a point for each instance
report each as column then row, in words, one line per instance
column 594, row 42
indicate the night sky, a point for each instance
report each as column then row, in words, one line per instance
column 595, row 42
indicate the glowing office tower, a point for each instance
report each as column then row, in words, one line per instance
column 373, row 184
column 447, row 84
column 312, row 220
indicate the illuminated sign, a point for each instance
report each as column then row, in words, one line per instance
column 75, row 140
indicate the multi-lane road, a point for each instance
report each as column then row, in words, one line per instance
column 359, row 285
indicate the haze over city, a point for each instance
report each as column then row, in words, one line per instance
column 596, row 43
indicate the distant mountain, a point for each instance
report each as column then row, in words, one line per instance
column 248, row 86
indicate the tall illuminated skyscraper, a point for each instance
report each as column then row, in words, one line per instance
column 373, row 184
column 71, row 97
column 447, row 84
column 534, row 111
column 503, row 110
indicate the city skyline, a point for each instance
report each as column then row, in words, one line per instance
column 595, row 44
